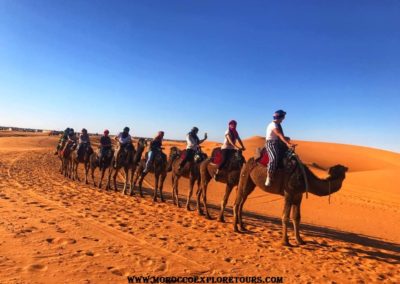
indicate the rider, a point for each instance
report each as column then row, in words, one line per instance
column 229, row 146
column 84, row 140
column 274, row 138
column 63, row 139
column 124, row 139
column 71, row 139
column 105, row 144
column 155, row 148
column 192, row 147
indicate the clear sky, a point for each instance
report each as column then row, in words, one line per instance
column 334, row 66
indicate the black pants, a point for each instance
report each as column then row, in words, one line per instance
column 226, row 156
column 189, row 157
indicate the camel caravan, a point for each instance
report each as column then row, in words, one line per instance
column 275, row 169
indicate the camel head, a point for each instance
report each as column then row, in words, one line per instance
column 338, row 171
column 174, row 151
column 329, row 185
column 142, row 142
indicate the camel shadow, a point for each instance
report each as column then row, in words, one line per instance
column 391, row 253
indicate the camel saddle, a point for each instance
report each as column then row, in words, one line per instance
column 262, row 157
column 216, row 156
column 183, row 154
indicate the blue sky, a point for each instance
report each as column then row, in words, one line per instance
column 334, row 66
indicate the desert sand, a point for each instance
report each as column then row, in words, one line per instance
column 55, row 230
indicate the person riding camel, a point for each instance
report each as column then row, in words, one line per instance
column 274, row 138
column 105, row 144
column 193, row 146
column 63, row 139
column 71, row 139
column 155, row 148
column 124, row 140
column 84, row 140
column 229, row 147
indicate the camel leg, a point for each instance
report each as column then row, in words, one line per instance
column 76, row 172
column 72, row 171
column 115, row 178
column 228, row 191
column 198, row 193
column 86, row 173
column 142, row 176
column 296, row 219
column 176, row 191
column 92, row 169
column 204, row 193
column 285, row 219
column 108, row 186
column 102, row 172
column 131, row 188
column 126, row 171
column 192, row 182
column 163, row 176
column 236, row 207
column 156, row 180
column 173, row 188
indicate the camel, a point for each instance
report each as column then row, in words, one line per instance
column 228, row 175
column 141, row 146
column 102, row 165
column 124, row 161
column 290, row 182
column 159, row 168
column 191, row 171
column 82, row 157
column 64, row 154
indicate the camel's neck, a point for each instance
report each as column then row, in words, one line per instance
column 323, row 187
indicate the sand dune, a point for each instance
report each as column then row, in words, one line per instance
column 54, row 230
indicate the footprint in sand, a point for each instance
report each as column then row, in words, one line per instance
column 36, row 267
column 91, row 253
column 61, row 241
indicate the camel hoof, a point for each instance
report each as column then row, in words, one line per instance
column 132, row 193
column 188, row 208
column 235, row 229
column 201, row 213
column 286, row 244
column 162, row 200
column 300, row 242
column 221, row 219
column 208, row 217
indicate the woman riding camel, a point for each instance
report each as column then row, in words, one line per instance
column 229, row 147
column 155, row 148
column 124, row 140
column 71, row 140
column 274, row 138
column 193, row 145
column 84, row 139
column 63, row 139
column 105, row 144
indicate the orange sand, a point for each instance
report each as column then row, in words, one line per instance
column 54, row 230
